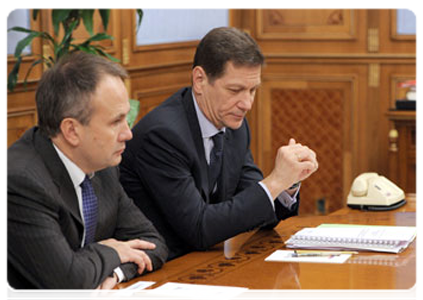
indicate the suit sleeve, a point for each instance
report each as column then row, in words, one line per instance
column 37, row 247
column 251, row 174
column 165, row 165
column 133, row 224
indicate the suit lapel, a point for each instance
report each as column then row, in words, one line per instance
column 58, row 173
column 187, row 101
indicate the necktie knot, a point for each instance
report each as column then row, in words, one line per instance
column 89, row 210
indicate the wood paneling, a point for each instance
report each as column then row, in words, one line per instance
column 308, row 57
column 299, row 24
column 402, row 150
column 340, row 67
column 311, row 31
column 316, row 111
column 18, row 122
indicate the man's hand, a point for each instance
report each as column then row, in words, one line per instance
column 294, row 162
column 131, row 251
column 109, row 283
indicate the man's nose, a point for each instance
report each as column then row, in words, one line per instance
column 126, row 133
column 247, row 100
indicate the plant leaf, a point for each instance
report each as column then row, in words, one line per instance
column 12, row 79
column 25, row 42
column 105, row 54
column 87, row 18
column 104, row 14
column 99, row 37
column 140, row 15
column 58, row 16
column 63, row 47
column 31, row 67
column 35, row 14
column 21, row 29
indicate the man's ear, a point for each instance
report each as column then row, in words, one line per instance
column 199, row 79
column 70, row 129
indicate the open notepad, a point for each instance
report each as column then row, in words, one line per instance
column 354, row 237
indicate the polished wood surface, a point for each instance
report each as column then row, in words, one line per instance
column 240, row 261
column 402, row 149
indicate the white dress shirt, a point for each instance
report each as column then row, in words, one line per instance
column 77, row 176
column 208, row 130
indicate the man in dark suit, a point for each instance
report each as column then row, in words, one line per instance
column 189, row 167
column 70, row 223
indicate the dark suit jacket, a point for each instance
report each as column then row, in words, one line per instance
column 45, row 227
column 164, row 170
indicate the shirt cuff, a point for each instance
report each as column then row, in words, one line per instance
column 284, row 198
column 119, row 273
column 287, row 200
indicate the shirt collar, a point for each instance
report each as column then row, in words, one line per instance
column 207, row 128
column 76, row 174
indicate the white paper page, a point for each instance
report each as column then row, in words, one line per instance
column 287, row 256
column 371, row 232
column 198, row 291
column 133, row 288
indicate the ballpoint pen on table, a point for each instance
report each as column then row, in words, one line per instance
column 307, row 253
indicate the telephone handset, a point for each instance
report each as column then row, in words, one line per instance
column 370, row 191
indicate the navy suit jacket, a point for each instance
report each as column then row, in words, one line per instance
column 164, row 170
column 45, row 228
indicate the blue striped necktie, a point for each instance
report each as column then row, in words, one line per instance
column 90, row 210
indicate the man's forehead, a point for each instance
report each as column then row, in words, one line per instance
column 242, row 74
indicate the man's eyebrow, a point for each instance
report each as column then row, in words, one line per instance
column 119, row 116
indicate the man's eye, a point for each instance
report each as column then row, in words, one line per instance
column 117, row 122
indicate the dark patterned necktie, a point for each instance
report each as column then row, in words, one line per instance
column 216, row 155
column 90, row 209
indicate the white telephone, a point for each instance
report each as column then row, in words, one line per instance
column 369, row 191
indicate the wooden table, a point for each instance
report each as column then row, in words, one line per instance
column 240, row 262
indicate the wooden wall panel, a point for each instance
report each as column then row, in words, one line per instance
column 303, row 49
column 18, row 122
column 316, row 111
column 353, row 55
column 299, row 24
column 323, row 32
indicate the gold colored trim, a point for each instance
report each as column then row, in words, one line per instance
column 374, row 75
column 393, row 138
column 373, row 40
column 46, row 53
column 128, row 86
column 125, row 51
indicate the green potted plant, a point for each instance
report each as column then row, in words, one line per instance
column 70, row 20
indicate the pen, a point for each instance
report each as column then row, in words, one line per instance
column 320, row 253
column 149, row 295
column 329, row 251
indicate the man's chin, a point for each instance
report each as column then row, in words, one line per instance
column 234, row 125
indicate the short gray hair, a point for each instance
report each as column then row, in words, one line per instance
column 65, row 90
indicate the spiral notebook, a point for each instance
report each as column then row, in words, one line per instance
column 393, row 239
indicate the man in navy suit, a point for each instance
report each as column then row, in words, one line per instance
column 189, row 166
column 70, row 223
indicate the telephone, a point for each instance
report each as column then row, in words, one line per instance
column 370, row 191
